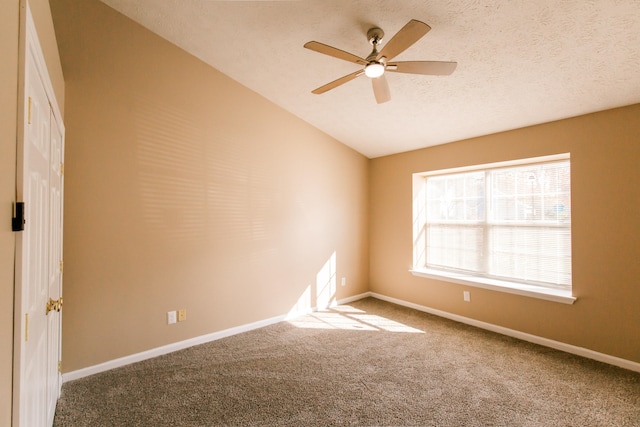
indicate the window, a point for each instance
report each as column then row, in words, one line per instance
column 504, row 226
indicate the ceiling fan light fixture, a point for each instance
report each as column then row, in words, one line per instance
column 376, row 64
column 374, row 70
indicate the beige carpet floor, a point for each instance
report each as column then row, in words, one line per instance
column 370, row 363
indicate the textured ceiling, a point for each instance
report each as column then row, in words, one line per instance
column 520, row 62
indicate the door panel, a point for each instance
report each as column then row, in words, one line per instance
column 55, row 270
column 35, row 265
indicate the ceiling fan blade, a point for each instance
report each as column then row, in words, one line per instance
column 338, row 82
column 408, row 35
column 381, row 89
column 430, row 68
column 335, row 52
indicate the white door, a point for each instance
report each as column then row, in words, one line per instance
column 55, row 270
column 37, row 379
column 36, row 251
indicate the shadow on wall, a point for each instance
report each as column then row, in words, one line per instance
column 192, row 188
column 320, row 295
column 254, row 218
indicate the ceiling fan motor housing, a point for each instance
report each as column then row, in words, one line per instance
column 375, row 35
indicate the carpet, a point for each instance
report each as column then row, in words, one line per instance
column 369, row 363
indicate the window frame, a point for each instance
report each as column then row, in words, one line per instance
column 501, row 284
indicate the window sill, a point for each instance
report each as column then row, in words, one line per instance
column 497, row 285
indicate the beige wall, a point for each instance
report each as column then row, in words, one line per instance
column 605, row 184
column 186, row 190
column 9, row 52
column 41, row 12
column 9, row 24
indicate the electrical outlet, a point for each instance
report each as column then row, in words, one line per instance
column 171, row 317
column 182, row 315
column 467, row 296
column 344, row 281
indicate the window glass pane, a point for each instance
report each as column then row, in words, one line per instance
column 556, row 192
column 455, row 246
column 509, row 208
column 536, row 254
column 531, row 193
column 458, row 197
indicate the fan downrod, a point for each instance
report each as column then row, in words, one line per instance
column 375, row 36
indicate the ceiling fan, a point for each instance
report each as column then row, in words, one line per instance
column 377, row 63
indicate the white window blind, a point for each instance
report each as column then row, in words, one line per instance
column 511, row 223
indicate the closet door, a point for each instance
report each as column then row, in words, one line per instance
column 35, row 251
column 38, row 286
column 54, row 320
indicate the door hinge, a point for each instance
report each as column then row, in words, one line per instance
column 29, row 111
column 61, row 266
column 59, row 366
column 62, row 169
column 17, row 222
column 26, row 326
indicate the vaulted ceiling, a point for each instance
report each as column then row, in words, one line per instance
column 519, row 62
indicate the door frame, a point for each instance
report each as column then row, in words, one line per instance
column 30, row 54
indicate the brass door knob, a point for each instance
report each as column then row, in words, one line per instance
column 54, row 305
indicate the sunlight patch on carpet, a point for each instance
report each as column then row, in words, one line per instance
column 349, row 318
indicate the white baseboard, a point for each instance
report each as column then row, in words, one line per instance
column 354, row 298
column 165, row 349
column 181, row 345
column 568, row 348
column 159, row 351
